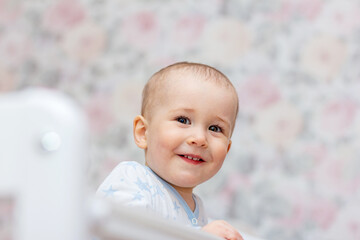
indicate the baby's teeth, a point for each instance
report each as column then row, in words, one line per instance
column 196, row 159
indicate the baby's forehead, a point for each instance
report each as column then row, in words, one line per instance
column 157, row 88
column 176, row 82
column 177, row 77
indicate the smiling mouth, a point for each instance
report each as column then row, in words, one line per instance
column 192, row 158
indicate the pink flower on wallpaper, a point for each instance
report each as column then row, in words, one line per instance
column 336, row 118
column 127, row 98
column 294, row 194
column 141, row 30
column 347, row 224
column 278, row 124
column 85, row 42
column 235, row 39
column 323, row 57
column 305, row 209
column 15, row 48
column 188, row 30
column 338, row 174
column 307, row 156
column 7, row 80
column 9, row 11
column 302, row 207
column 256, row 93
column 63, row 15
column 99, row 113
column 323, row 212
column 309, row 9
column 161, row 61
column 317, row 151
column 296, row 218
column 340, row 17
column 234, row 181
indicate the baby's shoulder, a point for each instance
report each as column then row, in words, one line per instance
column 127, row 177
column 130, row 165
column 130, row 169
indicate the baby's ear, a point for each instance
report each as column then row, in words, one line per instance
column 229, row 146
column 139, row 131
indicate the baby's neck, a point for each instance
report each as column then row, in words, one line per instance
column 187, row 195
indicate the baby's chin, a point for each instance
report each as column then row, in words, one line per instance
column 185, row 184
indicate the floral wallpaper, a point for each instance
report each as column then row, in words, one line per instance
column 293, row 171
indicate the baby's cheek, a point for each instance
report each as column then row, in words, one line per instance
column 222, row 151
column 224, row 144
column 167, row 139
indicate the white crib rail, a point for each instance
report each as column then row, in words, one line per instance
column 114, row 222
column 110, row 221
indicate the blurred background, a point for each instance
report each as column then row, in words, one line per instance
column 293, row 171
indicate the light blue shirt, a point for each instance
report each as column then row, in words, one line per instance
column 136, row 185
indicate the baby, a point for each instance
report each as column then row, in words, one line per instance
column 187, row 118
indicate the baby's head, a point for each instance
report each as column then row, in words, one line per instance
column 187, row 119
column 152, row 93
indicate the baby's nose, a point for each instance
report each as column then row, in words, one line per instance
column 198, row 139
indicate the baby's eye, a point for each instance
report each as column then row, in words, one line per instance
column 215, row 128
column 183, row 120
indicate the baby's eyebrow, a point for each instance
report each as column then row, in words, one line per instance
column 226, row 122
column 182, row 109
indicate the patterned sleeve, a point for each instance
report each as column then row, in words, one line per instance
column 127, row 184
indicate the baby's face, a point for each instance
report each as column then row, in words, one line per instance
column 188, row 135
